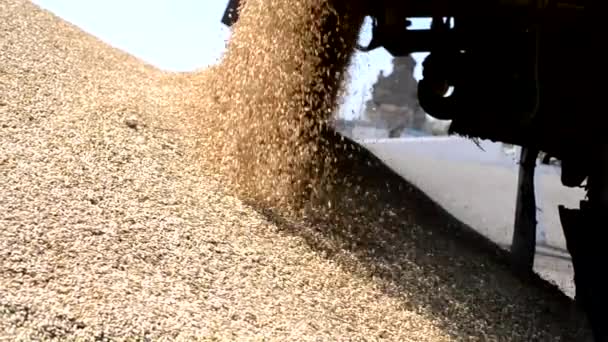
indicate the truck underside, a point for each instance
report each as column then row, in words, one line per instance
column 511, row 68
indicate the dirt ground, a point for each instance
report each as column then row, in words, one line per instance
column 110, row 231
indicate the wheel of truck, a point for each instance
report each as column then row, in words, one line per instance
column 585, row 230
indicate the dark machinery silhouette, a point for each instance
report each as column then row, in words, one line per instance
column 511, row 66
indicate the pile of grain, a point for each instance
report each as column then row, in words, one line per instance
column 110, row 231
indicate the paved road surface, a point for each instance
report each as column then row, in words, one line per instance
column 479, row 188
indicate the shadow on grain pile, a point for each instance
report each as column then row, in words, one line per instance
column 384, row 228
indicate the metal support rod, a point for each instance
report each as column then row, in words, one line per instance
column 523, row 246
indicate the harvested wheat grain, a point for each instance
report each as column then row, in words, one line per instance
column 108, row 232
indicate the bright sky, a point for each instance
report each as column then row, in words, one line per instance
column 186, row 35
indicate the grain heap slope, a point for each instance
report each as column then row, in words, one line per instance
column 110, row 228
